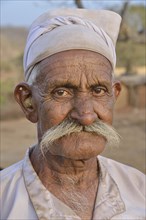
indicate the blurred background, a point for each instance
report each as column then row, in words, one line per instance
column 17, row 134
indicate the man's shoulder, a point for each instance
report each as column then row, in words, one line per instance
column 11, row 172
column 130, row 183
column 112, row 165
column 14, row 200
column 11, row 180
column 122, row 173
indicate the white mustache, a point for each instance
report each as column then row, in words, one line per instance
column 68, row 127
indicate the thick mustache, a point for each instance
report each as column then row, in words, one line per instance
column 68, row 127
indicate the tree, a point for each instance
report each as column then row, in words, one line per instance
column 79, row 3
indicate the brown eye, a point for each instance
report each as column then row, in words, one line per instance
column 61, row 93
column 99, row 91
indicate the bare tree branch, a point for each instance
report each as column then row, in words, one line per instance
column 79, row 3
column 124, row 28
column 124, row 8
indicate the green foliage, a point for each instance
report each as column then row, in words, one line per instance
column 13, row 64
column 130, row 51
column 141, row 11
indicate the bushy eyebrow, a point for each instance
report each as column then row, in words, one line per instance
column 55, row 84
column 52, row 84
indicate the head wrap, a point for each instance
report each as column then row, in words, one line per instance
column 69, row 29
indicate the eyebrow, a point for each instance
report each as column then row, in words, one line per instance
column 59, row 83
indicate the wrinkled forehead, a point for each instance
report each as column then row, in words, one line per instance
column 72, row 65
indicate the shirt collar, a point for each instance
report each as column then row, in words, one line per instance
column 108, row 201
column 44, row 202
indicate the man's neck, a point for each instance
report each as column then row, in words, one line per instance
column 60, row 170
column 74, row 182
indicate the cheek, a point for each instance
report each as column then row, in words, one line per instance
column 52, row 113
column 104, row 109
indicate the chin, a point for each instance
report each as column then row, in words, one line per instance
column 79, row 146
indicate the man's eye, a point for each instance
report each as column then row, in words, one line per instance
column 61, row 93
column 99, row 91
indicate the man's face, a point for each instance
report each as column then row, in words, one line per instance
column 76, row 85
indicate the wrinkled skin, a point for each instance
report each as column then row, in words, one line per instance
column 78, row 85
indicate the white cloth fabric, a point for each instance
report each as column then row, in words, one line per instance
column 120, row 194
column 69, row 29
column 103, row 43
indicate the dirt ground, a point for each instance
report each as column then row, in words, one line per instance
column 18, row 134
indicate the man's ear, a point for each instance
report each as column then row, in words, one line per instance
column 23, row 96
column 117, row 89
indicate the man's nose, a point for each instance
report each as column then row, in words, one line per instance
column 83, row 111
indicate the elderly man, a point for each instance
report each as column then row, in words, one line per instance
column 70, row 92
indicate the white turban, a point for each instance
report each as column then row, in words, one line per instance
column 72, row 29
